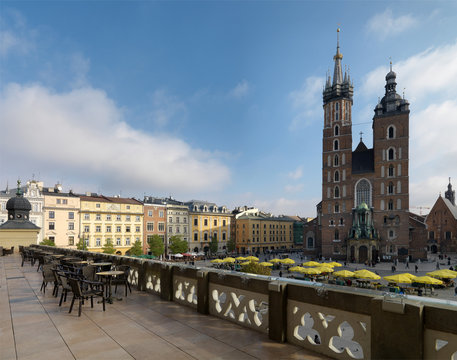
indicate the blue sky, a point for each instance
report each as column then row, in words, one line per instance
column 218, row 101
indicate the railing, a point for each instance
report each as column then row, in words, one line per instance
column 331, row 320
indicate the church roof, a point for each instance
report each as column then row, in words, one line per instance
column 19, row 225
column 362, row 159
column 452, row 208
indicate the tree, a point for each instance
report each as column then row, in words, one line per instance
column 108, row 248
column 156, row 245
column 213, row 245
column 231, row 245
column 137, row 248
column 177, row 245
column 255, row 268
column 47, row 242
column 81, row 245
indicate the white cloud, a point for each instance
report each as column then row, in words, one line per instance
column 306, row 102
column 79, row 66
column 294, row 188
column 240, row 90
column 284, row 206
column 14, row 35
column 424, row 75
column 297, row 173
column 386, row 24
column 83, row 135
column 166, row 108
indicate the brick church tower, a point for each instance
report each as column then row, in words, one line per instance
column 365, row 200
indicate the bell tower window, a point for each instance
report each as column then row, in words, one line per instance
column 337, row 130
column 391, row 154
column 391, row 132
column 363, row 192
column 336, row 145
column 337, row 176
column 337, row 192
column 336, row 160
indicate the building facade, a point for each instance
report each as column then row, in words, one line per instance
column 115, row 218
column 442, row 224
column 155, row 220
column 61, row 217
column 208, row 221
column 364, row 213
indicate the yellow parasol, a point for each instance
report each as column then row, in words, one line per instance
column 252, row 258
column 311, row 263
column 229, row 260
column 275, row 260
column 217, row 261
column 265, row 263
column 311, row 271
column 288, row 261
column 343, row 273
column 404, row 278
column 443, row 274
column 296, row 269
column 239, row 258
column 427, row 280
column 366, row 274
column 246, row 263
column 334, row 264
column 325, row 269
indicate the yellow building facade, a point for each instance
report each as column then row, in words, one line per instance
column 208, row 221
column 262, row 232
column 114, row 218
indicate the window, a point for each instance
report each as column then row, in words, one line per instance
column 71, row 215
column 97, row 205
column 86, row 228
column 337, row 192
column 391, row 132
column 161, row 213
column 336, row 145
column 337, row 130
column 71, row 226
column 363, row 192
column 337, row 176
column 97, row 242
column 98, row 217
column 224, row 223
column 170, row 229
column 170, row 219
column 52, row 215
column 390, row 188
column 64, row 201
column 391, row 204
column 224, row 236
column 205, row 236
column 336, row 160
column 128, row 207
column 195, row 236
column 185, row 229
column 137, row 229
column 150, row 226
column 108, row 217
column 431, row 235
column 98, row 228
column 86, row 216
column 127, row 241
column 161, row 226
column 448, row 235
column 118, row 229
column 51, row 226
column 310, row 243
column 87, row 242
column 58, row 201
column 137, row 218
column 341, row 221
column 391, row 234
column 71, row 240
column 127, row 217
column 127, row 228
column 205, row 222
column 391, row 154
column 184, row 220
column 118, row 217
column 108, row 228
column 150, row 213
column 215, row 222
column 391, row 170
column 337, row 208
column 118, row 241
column 337, row 235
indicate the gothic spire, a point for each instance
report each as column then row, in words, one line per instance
column 338, row 71
column 450, row 194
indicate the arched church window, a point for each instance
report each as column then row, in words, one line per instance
column 391, row 204
column 337, row 176
column 391, row 154
column 341, row 221
column 391, row 132
column 391, row 170
column 390, row 188
column 336, row 145
column 337, row 192
column 337, row 208
column 336, row 160
column 363, row 192
column 337, row 130
column 337, row 235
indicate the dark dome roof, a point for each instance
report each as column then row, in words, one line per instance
column 391, row 75
column 18, row 203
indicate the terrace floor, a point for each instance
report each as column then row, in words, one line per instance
column 141, row 326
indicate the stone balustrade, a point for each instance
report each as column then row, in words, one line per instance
column 333, row 321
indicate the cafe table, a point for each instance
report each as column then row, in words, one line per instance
column 108, row 275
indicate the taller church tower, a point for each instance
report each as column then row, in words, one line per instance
column 336, row 158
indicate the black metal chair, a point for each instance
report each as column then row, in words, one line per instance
column 80, row 293
column 48, row 276
column 122, row 279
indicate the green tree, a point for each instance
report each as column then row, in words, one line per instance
column 231, row 245
column 213, row 245
column 108, row 248
column 177, row 245
column 137, row 248
column 81, row 245
column 47, row 242
column 255, row 268
column 156, row 245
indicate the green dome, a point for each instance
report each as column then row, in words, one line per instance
column 363, row 206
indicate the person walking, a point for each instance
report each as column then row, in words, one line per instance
column 416, row 268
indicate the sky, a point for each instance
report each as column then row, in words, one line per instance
column 218, row 101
